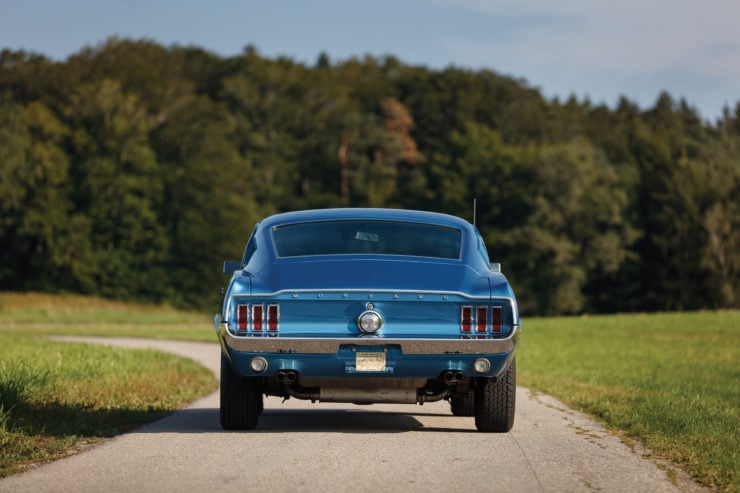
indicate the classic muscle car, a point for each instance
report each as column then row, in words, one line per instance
column 368, row 306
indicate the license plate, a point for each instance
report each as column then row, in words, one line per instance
column 370, row 361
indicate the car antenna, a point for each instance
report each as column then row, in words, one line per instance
column 475, row 208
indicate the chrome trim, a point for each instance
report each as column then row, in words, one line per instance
column 389, row 291
column 317, row 345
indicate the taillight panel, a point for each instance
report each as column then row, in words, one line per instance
column 256, row 319
column 482, row 320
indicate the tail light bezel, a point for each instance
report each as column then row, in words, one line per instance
column 258, row 317
column 481, row 319
column 242, row 319
column 497, row 320
column 255, row 319
column 466, row 319
column 273, row 317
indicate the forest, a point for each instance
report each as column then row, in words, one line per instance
column 131, row 170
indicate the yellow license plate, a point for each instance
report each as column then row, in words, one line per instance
column 370, row 361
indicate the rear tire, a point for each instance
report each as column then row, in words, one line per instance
column 463, row 404
column 495, row 401
column 241, row 399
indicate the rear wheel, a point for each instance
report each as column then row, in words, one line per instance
column 463, row 404
column 241, row 399
column 495, row 401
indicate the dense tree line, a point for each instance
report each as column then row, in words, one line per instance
column 131, row 170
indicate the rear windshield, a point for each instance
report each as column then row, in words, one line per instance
column 373, row 237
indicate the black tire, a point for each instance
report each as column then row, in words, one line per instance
column 495, row 400
column 463, row 404
column 241, row 399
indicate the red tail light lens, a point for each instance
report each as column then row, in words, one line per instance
column 481, row 322
column 257, row 318
column 272, row 318
column 466, row 319
column 242, row 317
column 497, row 317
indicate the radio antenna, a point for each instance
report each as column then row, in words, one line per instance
column 475, row 209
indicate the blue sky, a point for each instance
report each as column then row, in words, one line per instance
column 596, row 48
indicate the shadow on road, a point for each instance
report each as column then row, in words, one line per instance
column 205, row 420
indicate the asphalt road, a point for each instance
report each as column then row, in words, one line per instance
column 299, row 446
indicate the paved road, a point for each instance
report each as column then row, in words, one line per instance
column 299, row 446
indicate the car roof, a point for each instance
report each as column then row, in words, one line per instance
column 365, row 214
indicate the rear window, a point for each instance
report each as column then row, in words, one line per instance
column 347, row 237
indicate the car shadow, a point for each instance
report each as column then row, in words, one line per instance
column 206, row 420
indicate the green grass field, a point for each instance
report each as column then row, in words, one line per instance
column 670, row 381
column 56, row 397
column 44, row 314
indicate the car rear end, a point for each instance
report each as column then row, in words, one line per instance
column 371, row 315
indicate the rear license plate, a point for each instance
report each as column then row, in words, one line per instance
column 370, row 361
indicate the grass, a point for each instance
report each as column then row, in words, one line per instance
column 57, row 397
column 670, row 381
column 46, row 314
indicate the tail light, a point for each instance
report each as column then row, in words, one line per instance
column 497, row 316
column 466, row 319
column 257, row 318
column 255, row 322
column 481, row 322
column 242, row 318
column 272, row 318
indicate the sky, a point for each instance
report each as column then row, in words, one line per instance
column 599, row 49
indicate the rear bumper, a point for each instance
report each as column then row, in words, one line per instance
column 291, row 345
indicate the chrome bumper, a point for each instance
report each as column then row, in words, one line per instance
column 331, row 346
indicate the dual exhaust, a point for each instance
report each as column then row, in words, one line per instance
column 367, row 396
column 452, row 377
column 286, row 376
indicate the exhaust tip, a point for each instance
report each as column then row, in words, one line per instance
column 286, row 376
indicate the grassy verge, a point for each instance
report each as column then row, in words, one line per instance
column 671, row 381
column 45, row 314
column 56, row 397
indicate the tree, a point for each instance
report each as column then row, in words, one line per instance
column 210, row 191
column 575, row 231
column 40, row 230
column 116, row 185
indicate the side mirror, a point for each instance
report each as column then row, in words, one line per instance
column 495, row 267
column 231, row 266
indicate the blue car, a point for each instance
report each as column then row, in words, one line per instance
column 368, row 306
